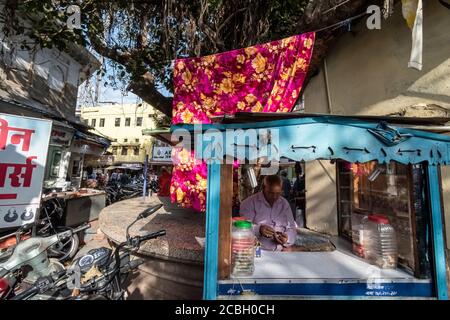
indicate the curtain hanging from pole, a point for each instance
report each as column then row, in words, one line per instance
column 262, row 78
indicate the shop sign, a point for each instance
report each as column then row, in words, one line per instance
column 60, row 137
column 23, row 154
column 132, row 165
column 84, row 147
column 107, row 160
column 162, row 154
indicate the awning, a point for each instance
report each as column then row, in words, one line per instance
column 326, row 137
column 120, row 167
column 162, row 134
column 160, row 163
column 93, row 138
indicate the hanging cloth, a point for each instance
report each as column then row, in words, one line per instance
column 262, row 78
column 413, row 13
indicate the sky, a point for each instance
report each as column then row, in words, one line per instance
column 109, row 94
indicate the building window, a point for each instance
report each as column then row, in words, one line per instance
column 139, row 121
column 55, row 164
column 102, row 122
column 117, row 122
column 124, row 151
column 114, row 150
column 86, row 121
column 136, row 140
column 76, row 168
column 136, row 151
column 127, row 122
column 125, row 140
column 93, row 122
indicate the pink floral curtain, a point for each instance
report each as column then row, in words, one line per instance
column 262, row 78
column 188, row 185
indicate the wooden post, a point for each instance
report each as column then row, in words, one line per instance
column 226, row 207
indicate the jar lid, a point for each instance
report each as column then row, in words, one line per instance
column 379, row 218
column 243, row 224
column 239, row 219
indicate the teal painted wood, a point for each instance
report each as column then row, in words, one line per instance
column 212, row 232
column 437, row 231
column 308, row 120
column 313, row 140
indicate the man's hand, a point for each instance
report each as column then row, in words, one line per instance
column 266, row 231
column 281, row 238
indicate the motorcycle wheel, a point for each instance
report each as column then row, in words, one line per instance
column 89, row 297
column 65, row 250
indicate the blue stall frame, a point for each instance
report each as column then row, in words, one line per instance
column 323, row 137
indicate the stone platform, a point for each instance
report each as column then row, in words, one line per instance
column 173, row 267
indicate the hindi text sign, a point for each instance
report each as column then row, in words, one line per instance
column 23, row 154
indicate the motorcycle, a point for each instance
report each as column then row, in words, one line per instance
column 117, row 192
column 98, row 275
column 48, row 223
column 30, row 261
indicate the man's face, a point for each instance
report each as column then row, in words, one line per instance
column 272, row 193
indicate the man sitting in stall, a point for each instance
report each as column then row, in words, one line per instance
column 271, row 215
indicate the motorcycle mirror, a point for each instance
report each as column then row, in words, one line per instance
column 149, row 211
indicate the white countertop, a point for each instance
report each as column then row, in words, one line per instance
column 335, row 266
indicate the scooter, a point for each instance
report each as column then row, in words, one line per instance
column 98, row 275
column 48, row 223
column 29, row 261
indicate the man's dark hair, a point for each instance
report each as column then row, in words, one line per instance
column 272, row 180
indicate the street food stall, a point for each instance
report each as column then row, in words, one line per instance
column 351, row 143
column 80, row 206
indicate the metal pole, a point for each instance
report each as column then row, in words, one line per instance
column 144, row 191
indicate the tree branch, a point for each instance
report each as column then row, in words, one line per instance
column 142, row 39
column 145, row 88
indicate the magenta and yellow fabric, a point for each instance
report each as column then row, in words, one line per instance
column 188, row 185
column 262, row 78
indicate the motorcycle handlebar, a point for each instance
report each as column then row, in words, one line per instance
column 26, row 293
column 153, row 235
column 41, row 285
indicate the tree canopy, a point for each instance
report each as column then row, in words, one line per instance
column 141, row 38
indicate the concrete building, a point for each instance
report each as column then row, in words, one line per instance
column 43, row 83
column 124, row 125
column 366, row 73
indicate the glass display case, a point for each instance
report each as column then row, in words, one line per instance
column 391, row 190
